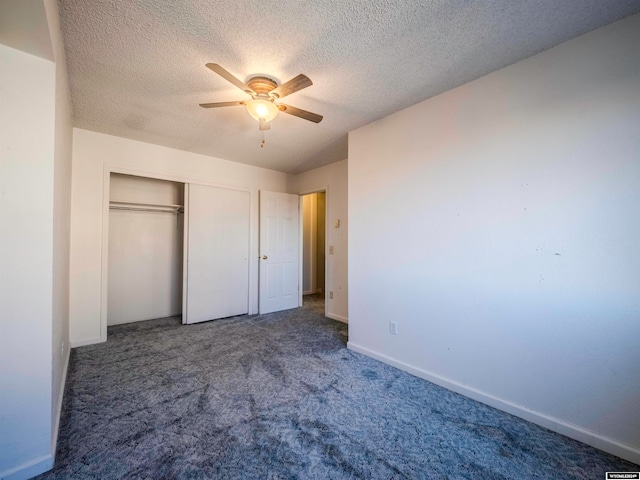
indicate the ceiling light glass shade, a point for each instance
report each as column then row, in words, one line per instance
column 262, row 109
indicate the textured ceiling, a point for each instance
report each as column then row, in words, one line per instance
column 137, row 68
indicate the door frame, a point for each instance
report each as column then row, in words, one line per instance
column 324, row 189
column 110, row 168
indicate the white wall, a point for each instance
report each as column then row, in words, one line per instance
column 321, row 244
column 35, row 191
column 498, row 224
column 24, row 25
column 333, row 177
column 93, row 155
column 321, row 241
column 61, row 219
column 145, row 251
column 134, row 189
column 27, row 96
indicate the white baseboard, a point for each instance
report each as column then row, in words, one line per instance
column 339, row 318
column 583, row 435
column 82, row 343
column 45, row 463
column 29, row 469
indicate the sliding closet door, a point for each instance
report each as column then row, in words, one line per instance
column 216, row 253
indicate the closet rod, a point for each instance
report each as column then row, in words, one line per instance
column 157, row 210
column 145, row 207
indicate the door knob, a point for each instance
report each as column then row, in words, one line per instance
column 264, row 257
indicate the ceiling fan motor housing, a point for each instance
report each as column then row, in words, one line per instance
column 262, row 86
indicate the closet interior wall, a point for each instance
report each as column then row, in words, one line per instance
column 145, row 249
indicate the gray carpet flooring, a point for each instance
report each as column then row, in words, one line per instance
column 279, row 396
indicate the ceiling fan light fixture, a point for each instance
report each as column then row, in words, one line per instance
column 262, row 109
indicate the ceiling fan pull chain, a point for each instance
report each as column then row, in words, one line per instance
column 262, row 143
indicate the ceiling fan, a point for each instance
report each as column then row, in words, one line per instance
column 264, row 93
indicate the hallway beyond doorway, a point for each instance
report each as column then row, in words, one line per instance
column 314, row 302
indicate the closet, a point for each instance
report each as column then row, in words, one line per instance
column 176, row 248
column 146, row 224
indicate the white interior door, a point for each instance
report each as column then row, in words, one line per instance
column 279, row 251
column 216, row 253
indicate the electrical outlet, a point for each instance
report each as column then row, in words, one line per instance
column 330, row 249
column 331, row 295
column 393, row 328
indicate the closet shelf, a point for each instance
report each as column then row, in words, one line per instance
column 145, row 207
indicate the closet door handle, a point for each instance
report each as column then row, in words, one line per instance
column 264, row 257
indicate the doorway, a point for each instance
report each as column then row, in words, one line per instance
column 314, row 233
